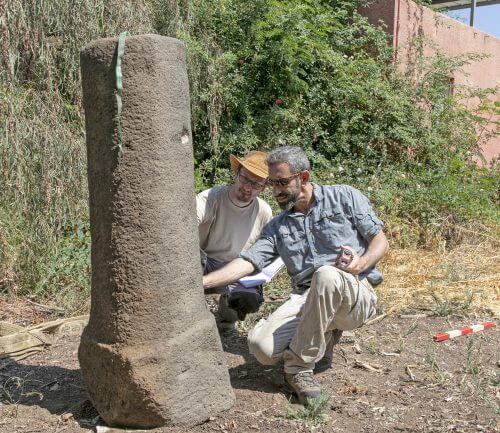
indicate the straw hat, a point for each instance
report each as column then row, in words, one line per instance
column 254, row 162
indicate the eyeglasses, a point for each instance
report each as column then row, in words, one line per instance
column 282, row 181
column 246, row 181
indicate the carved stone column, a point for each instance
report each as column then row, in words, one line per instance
column 151, row 354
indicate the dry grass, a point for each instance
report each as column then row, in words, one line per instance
column 43, row 182
column 465, row 278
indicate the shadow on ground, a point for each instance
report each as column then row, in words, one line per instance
column 244, row 370
column 59, row 390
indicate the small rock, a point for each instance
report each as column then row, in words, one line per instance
column 379, row 409
column 352, row 411
column 66, row 416
column 336, row 407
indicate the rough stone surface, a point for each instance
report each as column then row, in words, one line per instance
column 151, row 354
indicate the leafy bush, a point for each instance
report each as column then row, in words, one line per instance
column 317, row 75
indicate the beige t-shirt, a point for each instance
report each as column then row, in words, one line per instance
column 225, row 229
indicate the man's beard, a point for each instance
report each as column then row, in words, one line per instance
column 290, row 203
column 243, row 196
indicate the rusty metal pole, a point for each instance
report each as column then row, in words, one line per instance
column 472, row 12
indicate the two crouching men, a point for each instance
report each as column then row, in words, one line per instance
column 315, row 223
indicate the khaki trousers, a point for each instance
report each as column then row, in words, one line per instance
column 299, row 330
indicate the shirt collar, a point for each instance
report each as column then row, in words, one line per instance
column 318, row 196
column 317, row 191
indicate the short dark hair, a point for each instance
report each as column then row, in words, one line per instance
column 294, row 156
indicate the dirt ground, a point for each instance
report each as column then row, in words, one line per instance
column 389, row 377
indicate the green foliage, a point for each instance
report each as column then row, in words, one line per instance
column 444, row 306
column 312, row 413
column 65, row 278
column 423, row 203
column 317, row 75
column 42, row 40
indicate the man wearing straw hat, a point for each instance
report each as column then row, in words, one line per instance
column 330, row 240
column 230, row 219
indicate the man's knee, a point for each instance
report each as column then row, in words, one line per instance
column 245, row 302
column 327, row 278
column 261, row 345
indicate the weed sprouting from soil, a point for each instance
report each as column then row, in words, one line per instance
column 413, row 327
column 404, row 335
column 444, row 306
column 473, row 364
column 442, row 377
column 312, row 413
column 372, row 347
column 478, row 381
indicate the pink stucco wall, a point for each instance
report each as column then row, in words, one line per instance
column 405, row 20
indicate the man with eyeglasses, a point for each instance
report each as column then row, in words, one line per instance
column 230, row 220
column 319, row 223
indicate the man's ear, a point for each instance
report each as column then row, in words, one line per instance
column 305, row 176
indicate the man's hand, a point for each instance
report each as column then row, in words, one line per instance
column 357, row 264
column 377, row 248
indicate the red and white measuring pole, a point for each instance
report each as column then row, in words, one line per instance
column 463, row 331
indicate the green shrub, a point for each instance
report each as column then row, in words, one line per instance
column 317, row 75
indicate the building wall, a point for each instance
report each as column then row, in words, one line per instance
column 405, row 20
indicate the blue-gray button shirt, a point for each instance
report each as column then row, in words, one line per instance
column 340, row 215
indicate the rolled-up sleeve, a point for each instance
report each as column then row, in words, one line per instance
column 365, row 219
column 263, row 251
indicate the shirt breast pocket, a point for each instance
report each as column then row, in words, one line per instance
column 328, row 227
column 291, row 240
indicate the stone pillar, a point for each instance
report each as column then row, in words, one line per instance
column 151, row 354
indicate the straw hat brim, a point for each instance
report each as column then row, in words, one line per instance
column 254, row 163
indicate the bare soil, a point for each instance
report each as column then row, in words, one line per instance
column 413, row 385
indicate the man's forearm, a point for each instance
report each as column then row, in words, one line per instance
column 228, row 274
column 377, row 248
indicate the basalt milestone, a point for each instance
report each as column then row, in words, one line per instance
column 150, row 354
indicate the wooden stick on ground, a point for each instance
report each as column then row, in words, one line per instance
column 376, row 319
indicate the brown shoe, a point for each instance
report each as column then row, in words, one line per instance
column 303, row 385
